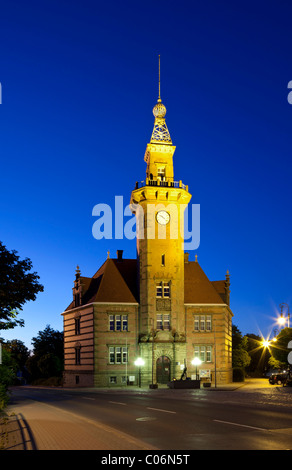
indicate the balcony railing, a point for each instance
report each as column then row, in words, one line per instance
column 161, row 183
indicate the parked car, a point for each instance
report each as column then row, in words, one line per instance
column 278, row 378
column 272, row 371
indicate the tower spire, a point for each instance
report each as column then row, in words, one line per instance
column 159, row 98
column 160, row 132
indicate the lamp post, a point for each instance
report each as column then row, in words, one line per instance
column 282, row 319
column 139, row 363
column 196, row 362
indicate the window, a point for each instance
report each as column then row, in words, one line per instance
column 118, row 352
column 208, row 323
column 161, row 173
column 163, row 290
column 208, row 354
column 111, row 355
column 118, row 355
column 77, row 356
column 125, row 355
column 158, row 290
column 166, row 290
column 77, row 326
column 203, row 322
column 162, row 260
column 163, row 321
column 197, row 323
column 159, row 323
column 125, row 323
column 203, row 352
column 166, row 321
column 112, row 380
column 118, row 322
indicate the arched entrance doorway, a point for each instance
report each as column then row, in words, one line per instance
column 163, row 370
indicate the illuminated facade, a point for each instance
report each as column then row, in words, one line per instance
column 160, row 307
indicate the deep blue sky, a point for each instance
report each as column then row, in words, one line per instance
column 79, row 81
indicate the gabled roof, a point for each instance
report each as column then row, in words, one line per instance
column 115, row 281
column 198, row 288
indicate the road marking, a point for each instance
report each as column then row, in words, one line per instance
column 158, row 409
column 118, row 403
column 241, row 425
column 88, row 398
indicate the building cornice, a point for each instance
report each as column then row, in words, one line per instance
column 81, row 307
column 211, row 305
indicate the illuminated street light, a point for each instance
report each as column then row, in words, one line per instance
column 196, row 362
column 266, row 343
column 139, row 363
column 281, row 319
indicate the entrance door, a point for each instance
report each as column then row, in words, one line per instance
column 163, row 370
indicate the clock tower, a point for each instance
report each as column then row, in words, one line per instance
column 159, row 203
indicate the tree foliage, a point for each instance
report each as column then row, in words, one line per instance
column 240, row 356
column 48, row 354
column 17, row 286
column 280, row 349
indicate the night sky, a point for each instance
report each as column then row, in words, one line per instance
column 79, row 81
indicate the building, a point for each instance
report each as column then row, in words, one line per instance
column 160, row 307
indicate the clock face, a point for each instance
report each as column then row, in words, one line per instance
column 162, row 217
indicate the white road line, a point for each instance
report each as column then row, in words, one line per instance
column 158, row 409
column 118, row 403
column 241, row 425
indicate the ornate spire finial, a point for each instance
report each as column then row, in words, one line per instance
column 108, row 254
column 159, row 98
column 160, row 132
column 77, row 273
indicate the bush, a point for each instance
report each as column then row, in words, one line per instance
column 3, row 397
column 48, row 382
column 238, row 374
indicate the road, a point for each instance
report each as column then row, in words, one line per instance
column 249, row 418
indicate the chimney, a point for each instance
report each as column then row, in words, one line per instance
column 187, row 257
column 120, row 255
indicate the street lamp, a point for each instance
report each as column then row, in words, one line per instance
column 139, row 363
column 196, row 362
column 281, row 319
column 266, row 343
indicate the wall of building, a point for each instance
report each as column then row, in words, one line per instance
column 78, row 374
column 105, row 373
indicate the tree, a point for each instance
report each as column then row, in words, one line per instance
column 48, row 341
column 280, row 350
column 17, row 286
column 259, row 355
column 48, row 354
column 7, row 376
column 240, row 356
column 18, row 351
